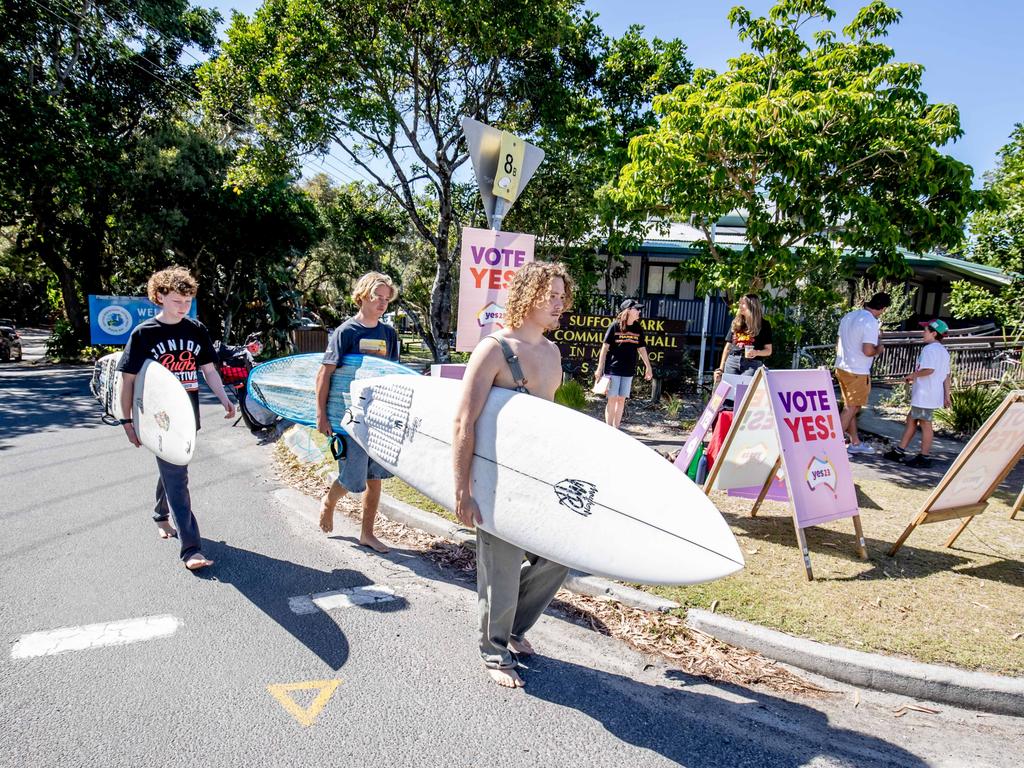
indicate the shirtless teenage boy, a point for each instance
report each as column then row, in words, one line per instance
column 512, row 594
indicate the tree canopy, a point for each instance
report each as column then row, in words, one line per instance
column 826, row 147
column 997, row 239
column 81, row 86
column 387, row 84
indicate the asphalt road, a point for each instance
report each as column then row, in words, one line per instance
column 195, row 683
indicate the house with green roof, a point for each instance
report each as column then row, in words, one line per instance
column 649, row 267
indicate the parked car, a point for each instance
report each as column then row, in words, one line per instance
column 10, row 343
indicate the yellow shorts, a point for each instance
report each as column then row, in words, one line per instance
column 855, row 387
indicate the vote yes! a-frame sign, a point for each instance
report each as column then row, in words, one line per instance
column 980, row 468
column 789, row 419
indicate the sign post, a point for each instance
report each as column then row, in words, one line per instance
column 980, row 468
column 789, row 420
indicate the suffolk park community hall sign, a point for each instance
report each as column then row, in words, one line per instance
column 579, row 338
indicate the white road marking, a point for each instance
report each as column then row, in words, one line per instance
column 340, row 598
column 94, row 636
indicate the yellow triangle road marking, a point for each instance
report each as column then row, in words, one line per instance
column 305, row 715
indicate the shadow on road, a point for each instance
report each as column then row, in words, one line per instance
column 267, row 582
column 695, row 729
column 37, row 399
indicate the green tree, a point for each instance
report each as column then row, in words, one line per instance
column 826, row 148
column 244, row 246
column 592, row 98
column 361, row 231
column 997, row 239
column 386, row 84
column 82, row 84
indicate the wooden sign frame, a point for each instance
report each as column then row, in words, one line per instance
column 968, row 511
column 801, row 537
column 1017, row 505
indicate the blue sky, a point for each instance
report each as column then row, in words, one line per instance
column 972, row 52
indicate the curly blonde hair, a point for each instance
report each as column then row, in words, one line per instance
column 529, row 288
column 171, row 280
column 367, row 284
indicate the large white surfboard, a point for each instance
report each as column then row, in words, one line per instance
column 161, row 409
column 554, row 481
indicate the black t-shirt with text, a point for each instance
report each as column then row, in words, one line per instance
column 182, row 348
column 623, row 348
column 740, row 340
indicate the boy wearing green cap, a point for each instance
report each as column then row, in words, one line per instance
column 930, row 390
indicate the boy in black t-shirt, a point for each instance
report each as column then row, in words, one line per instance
column 363, row 334
column 183, row 346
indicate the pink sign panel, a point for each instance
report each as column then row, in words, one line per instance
column 448, row 370
column 776, row 491
column 488, row 262
column 813, row 451
column 707, row 418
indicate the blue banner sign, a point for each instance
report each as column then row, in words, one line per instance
column 112, row 318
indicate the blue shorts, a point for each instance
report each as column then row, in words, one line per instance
column 355, row 467
column 620, row 386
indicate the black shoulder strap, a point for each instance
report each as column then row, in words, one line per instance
column 513, row 363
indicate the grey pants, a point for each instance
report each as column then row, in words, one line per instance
column 172, row 499
column 511, row 594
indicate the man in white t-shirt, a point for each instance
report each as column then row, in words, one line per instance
column 856, row 350
column 930, row 390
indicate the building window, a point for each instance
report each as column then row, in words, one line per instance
column 658, row 281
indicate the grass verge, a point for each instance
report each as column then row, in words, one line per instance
column 962, row 606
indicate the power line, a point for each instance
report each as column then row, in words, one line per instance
column 346, row 171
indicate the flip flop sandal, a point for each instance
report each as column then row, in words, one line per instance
column 194, row 565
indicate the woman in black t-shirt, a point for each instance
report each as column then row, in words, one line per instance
column 623, row 344
column 749, row 341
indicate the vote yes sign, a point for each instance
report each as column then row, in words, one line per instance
column 789, row 420
column 489, row 260
column 813, row 449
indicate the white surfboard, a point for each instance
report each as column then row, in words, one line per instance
column 554, row 481
column 161, row 409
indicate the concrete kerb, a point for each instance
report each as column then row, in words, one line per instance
column 931, row 682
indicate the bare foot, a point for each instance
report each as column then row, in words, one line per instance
column 373, row 543
column 165, row 530
column 521, row 647
column 506, row 678
column 326, row 515
column 197, row 561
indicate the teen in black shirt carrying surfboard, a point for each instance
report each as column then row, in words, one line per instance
column 183, row 346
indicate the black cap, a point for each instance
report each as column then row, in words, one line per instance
column 878, row 301
column 630, row 304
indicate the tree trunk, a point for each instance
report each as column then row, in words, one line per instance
column 441, row 306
